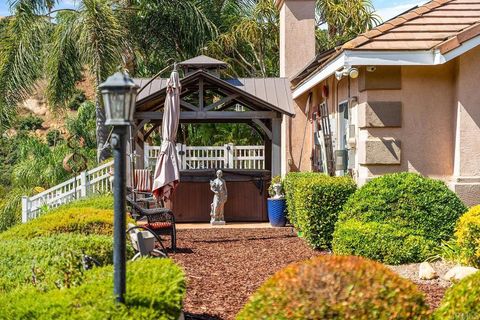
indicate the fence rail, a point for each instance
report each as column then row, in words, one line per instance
column 228, row 156
column 97, row 180
column 87, row 183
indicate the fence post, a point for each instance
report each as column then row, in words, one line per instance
column 229, row 150
column 25, row 209
column 83, row 184
column 184, row 157
column 146, row 155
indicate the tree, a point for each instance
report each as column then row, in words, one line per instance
column 92, row 40
column 250, row 38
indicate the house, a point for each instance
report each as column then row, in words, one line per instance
column 404, row 96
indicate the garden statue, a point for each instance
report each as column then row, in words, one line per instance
column 219, row 188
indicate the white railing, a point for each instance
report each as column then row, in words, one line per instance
column 97, row 180
column 87, row 183
column 227, row 156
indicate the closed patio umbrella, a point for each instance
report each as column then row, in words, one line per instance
column 167, row 174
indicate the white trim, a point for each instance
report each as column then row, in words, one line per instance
column 464, row 47
column 323, row 74
column 377, row 58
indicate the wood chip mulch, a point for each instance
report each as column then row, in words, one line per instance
column 225, row 266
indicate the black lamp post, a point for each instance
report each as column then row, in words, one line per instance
column 119, row 94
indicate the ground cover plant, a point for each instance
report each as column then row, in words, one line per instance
column 397, row 218
column 314, row 201
column 462, row 301
column 336, row 287
column 155, row 290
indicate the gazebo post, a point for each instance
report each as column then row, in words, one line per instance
column 276, row 146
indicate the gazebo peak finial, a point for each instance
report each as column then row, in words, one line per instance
column 203, row 62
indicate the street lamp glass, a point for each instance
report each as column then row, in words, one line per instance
column 119, row 94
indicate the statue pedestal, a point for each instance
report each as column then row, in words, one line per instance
column 217, row 223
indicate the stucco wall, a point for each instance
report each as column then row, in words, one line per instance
column 466, row 178
column 426, row 132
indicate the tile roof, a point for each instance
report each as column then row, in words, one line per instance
column 438, row 24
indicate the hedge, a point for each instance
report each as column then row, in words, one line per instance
column 51, row 262
column 419, row 212
column 336, row 287
column 81, row 220
column 381, row 242
column 314, row 201
column 462, row 301
column 155, row 290
column 104, row 201
column 468, row 237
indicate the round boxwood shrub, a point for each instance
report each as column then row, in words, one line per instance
column 155, row 290
column 462, row 301
column 468, row 237
column 419, row 212
column 336, row 287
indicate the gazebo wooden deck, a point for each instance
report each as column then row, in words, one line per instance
column 207, row 98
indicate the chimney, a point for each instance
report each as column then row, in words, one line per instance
column 297, row 35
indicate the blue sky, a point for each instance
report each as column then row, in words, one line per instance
column 386, row 8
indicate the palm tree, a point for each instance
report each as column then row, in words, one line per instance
column 250, row 42
column 92, row 40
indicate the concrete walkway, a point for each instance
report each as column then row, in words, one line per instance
column 228, row 225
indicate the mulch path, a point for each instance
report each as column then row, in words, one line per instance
column 225, row 266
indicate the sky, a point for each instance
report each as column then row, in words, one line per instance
column 387, row 9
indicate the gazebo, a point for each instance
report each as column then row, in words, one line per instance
column 207, row 98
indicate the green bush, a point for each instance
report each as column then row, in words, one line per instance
column 468, row 237
column 50, row 262
column 381, row 242
column 462, row 301
column 314, row 201
column 30, row 123
column 77, row 100
column 82, row 220
column 422, row 211
column 155, row 290
column 104, row 201
column 334, row 287
column 54, row 136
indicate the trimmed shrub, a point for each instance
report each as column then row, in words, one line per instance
column 50, row 262
column 334, row 287
column 462, row 301
column 468, row 237
column 155, row 290
column 81, row 220
column 314, row 202
column 381, row 242
column 419, row 212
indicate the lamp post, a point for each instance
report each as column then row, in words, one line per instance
column 119, row 93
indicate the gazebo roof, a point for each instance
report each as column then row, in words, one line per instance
column 267, row 93
column 203, row 61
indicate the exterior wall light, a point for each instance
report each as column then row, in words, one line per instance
column 347, row 72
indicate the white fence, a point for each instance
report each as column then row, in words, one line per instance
column 227, row 156
column 83, row 185
column 97, row 180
